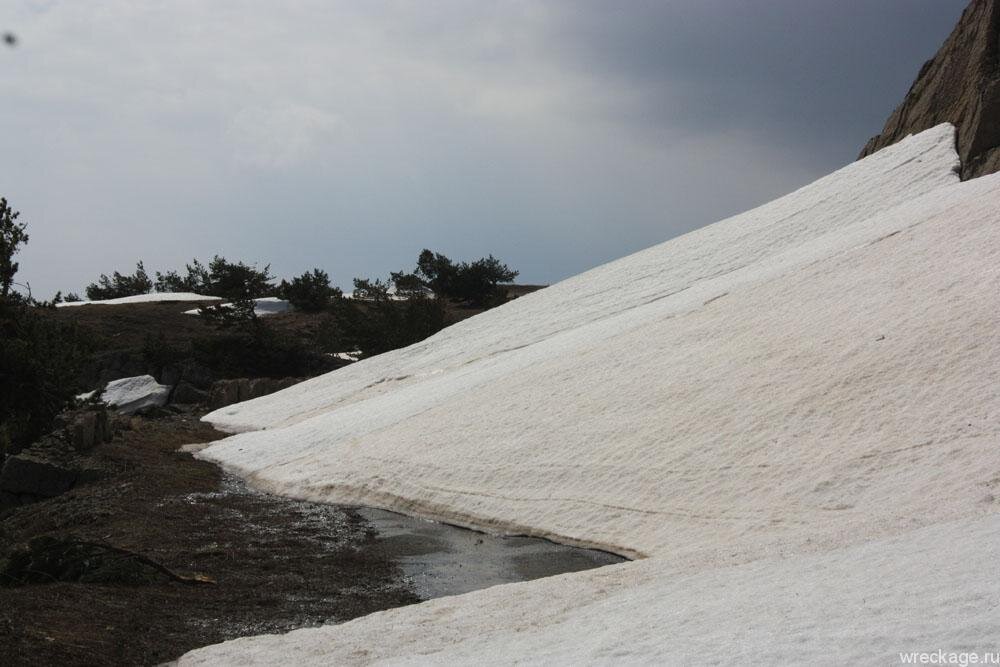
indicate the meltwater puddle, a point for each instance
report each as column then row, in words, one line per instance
column 440, row 559
column 436, row 559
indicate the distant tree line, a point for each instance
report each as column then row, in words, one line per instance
column 42, row 355
column 221, row 278
column 377, row 316
column 479, row 284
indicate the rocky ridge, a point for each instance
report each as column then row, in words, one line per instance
column 959, row 85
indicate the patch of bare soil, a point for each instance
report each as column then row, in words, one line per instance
column 161, row 553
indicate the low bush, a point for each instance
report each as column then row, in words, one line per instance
column 39, row 358
column 261, row 354
column 374, row 322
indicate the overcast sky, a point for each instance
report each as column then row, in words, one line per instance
column 349, row 135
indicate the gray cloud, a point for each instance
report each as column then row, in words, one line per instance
column 350, row 135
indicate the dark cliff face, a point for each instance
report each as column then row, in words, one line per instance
column 959, row 85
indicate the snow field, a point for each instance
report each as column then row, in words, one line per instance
column 792, row 413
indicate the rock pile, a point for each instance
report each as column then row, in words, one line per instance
column 53, row 465
column 186, row 386
column 57, row 462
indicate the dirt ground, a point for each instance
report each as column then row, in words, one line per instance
column 273, row 564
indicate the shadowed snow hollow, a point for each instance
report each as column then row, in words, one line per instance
column 790, row 405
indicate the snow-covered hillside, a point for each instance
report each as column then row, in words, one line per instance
column 792, row 412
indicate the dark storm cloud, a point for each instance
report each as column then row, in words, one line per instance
column 349, row 135
column 809, row 73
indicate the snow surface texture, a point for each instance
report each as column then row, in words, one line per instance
column 154, row 297
column 268, row 305
column 129, row 395
column 792, row 412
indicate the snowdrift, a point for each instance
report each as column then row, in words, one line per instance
column 153, row 297
column 792, row 413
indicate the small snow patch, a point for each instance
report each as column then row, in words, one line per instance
column 346, row 356
column 155, row 297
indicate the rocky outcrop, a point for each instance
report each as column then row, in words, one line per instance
column 27, row 477
column 189, row 371
column 85, row 429
column 186, row 393
column 106, row 367
column 959, row 85
column 53, row 465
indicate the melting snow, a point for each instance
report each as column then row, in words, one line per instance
column 792, row 413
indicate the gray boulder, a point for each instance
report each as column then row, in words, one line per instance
column 131, row 395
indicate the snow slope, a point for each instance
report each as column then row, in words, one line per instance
column 796, row 406
column 849, row 196
column 152, row 297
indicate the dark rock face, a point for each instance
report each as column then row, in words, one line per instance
column 57, row 462
column 87, row 428
column 188, row 371
column 187, row 393
column 28, row 475
column 227, row 392
column 959, row 85
column 109, row 366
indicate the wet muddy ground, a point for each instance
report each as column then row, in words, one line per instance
column 239, row 562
